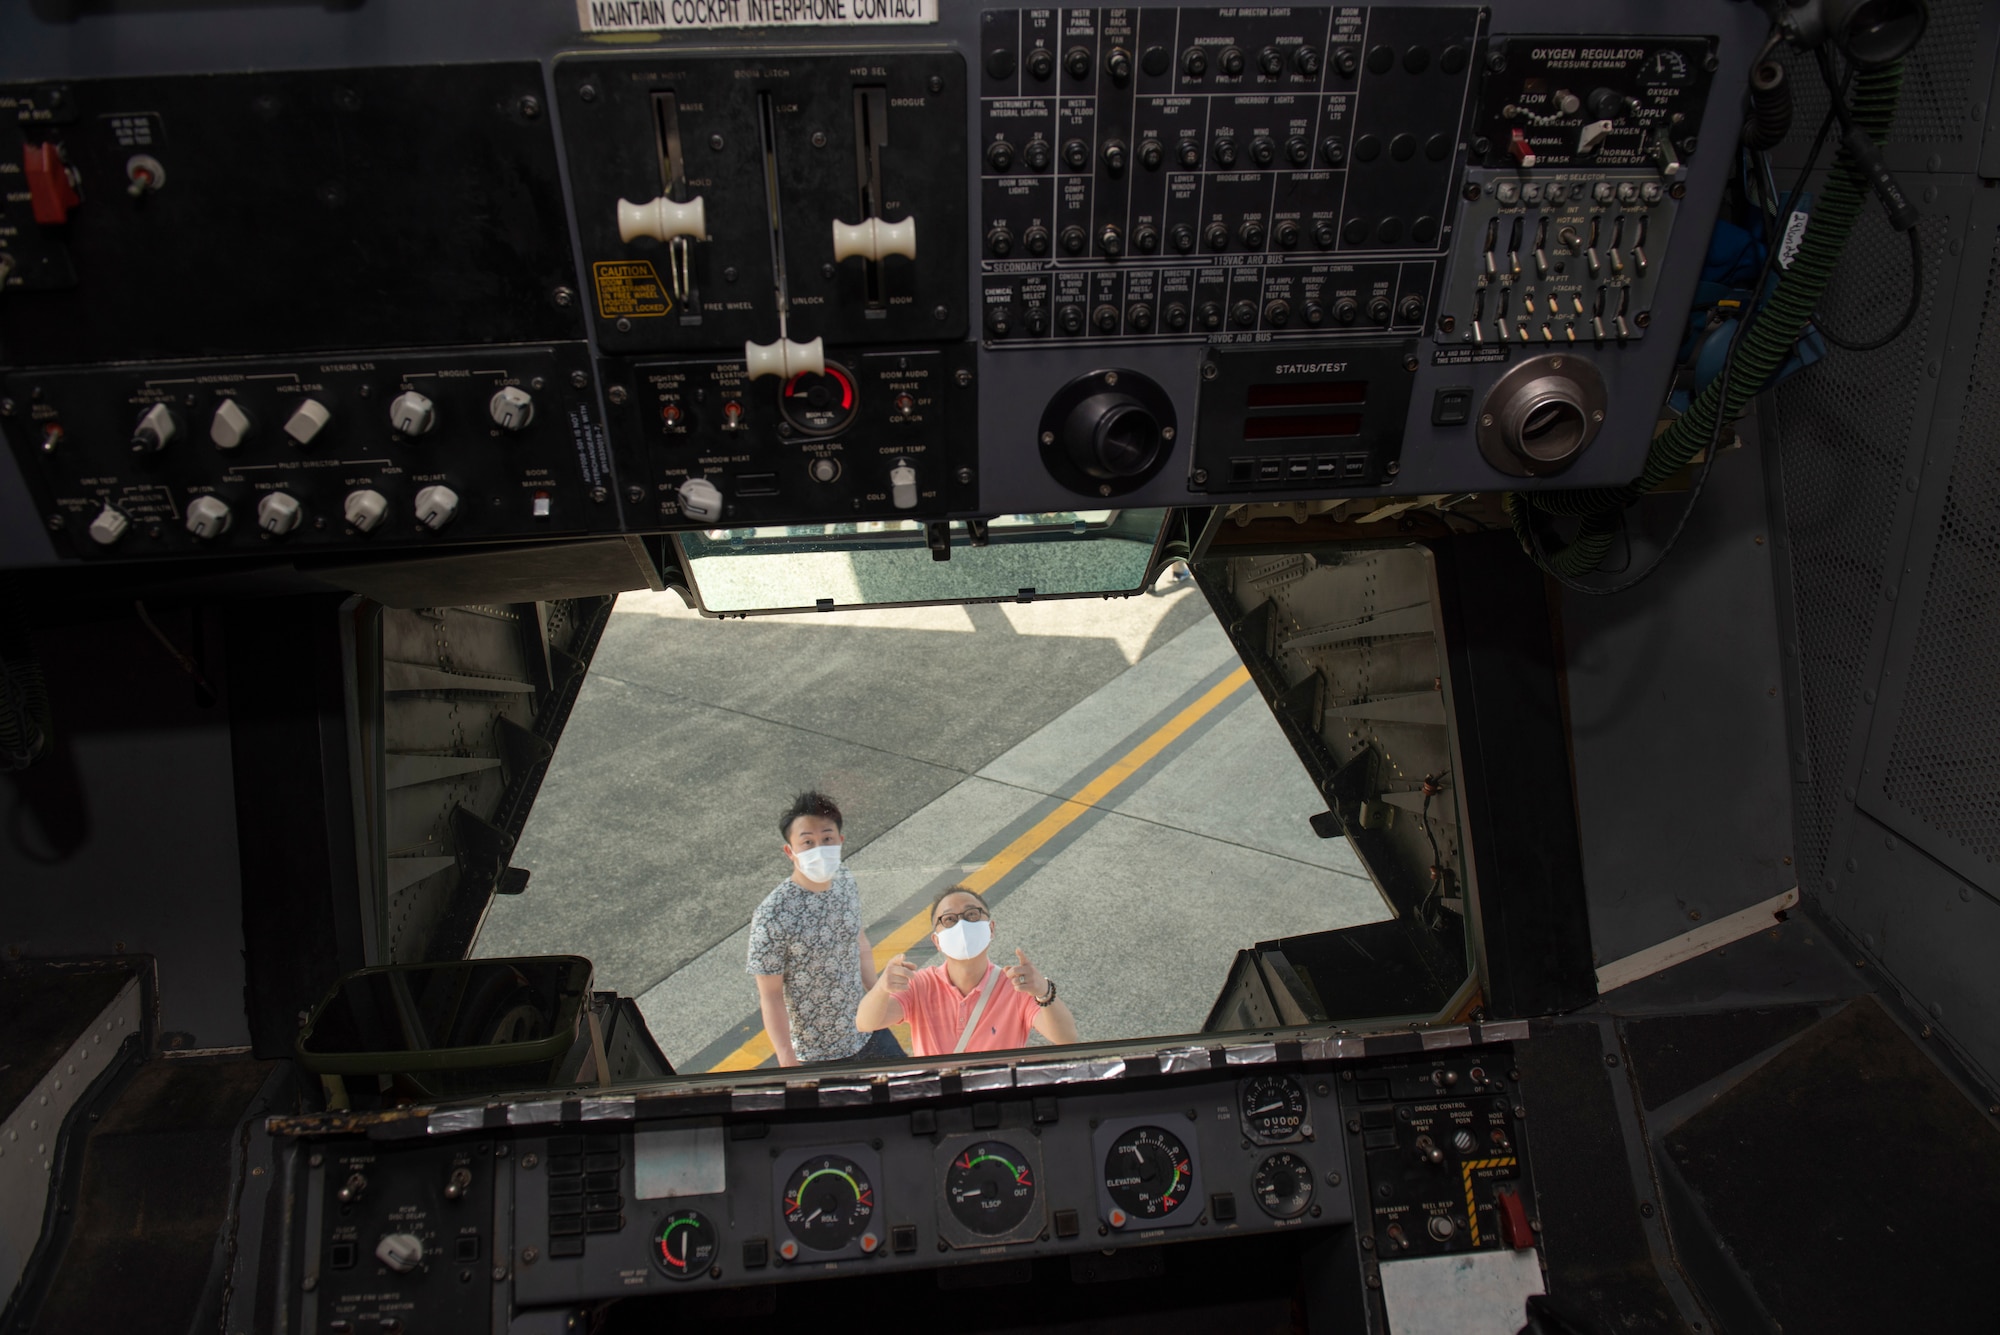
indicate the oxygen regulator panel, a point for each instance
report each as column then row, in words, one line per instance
column 1010, row 260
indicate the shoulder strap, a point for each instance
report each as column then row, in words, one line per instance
column 985, row 995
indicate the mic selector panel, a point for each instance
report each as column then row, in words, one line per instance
column 313, row 454
column 1217, row 174
column 871, row 435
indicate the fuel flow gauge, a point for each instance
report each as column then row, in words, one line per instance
column 1274, row 1108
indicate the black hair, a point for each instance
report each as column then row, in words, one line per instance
column 808, row 803
column 954, row 890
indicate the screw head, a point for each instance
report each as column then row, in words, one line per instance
column 309, row 1283
column 315, row 1159
column 635, row 493
column 939, row 312
column 1166, row 433
column 964, row 377
column 530, row 1159
column 588, row 92
column 55, row 523
column 1110, row 377
column 600, row 493
column 617, row 394
column 563, row 297
column 964, row 475
column 936, row 85
column 579, row 379
column 624, row 325
column 1394, row 467
column 7, row 407
column 715, row 142
column 1048, row 438
column 530, row 106
column 1410, row 362
column 1200, row 477
column 819, row 138
column 729, row 274
column 499, row 1274
column 529, row 1255
column 1209, row 371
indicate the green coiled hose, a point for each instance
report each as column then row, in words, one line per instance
column 1765, row 346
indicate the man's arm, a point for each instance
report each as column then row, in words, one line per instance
column 777, row 1024
column 1056, row 1023
column 867, row 960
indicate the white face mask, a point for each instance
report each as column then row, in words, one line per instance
column 965, row 940
column 818, row 863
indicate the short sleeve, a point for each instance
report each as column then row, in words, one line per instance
column 767, row 944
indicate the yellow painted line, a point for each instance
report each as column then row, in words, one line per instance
column 1471, row 1206
column 757, row 1048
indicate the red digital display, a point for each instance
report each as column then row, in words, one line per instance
column 1307, row 394
column 1296, row 426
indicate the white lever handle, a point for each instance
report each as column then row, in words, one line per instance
column 785, row 358
column 871, row 238
column 662, row 220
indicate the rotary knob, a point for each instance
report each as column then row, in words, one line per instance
column 278, row 513
column 108, row 527
column 436, row 505
column 401, row 1252
column 364, row 509
column 700, row 499
column 157, row 426
column 412, row 414
column 231, row 425
column 208, row 517
column 512, row 408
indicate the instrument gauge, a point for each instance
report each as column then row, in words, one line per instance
column 990, row 1188
column 1274, row 1108
column 1148, row 1173
column 821, row 404
column 685, row 1244
column 1283, row 1185
column 828, row 1202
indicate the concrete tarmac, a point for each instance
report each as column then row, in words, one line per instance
column 945, row 734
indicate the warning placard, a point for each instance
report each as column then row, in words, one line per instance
column 672, row 15
column 629, row 289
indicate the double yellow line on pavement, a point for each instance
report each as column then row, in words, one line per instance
column 756, row 1049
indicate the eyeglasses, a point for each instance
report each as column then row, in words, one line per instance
column 946, row 920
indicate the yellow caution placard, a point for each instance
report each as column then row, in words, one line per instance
column 629, row 289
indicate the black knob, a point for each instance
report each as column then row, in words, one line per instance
column 1041, row 62
column 1156, row 60
column 1111, row 240
column 1177, row 316
column 1181, row 237
column 1036, row 318
column 1119, row 65
column 1076, row 154
column 1000, row 62
column 1000, row 155
column 1313, row 313
column 1000, row 242
column 1263, row 151
column 1278, row 313
column 1217, row 237
column 1114, row 156
column 1243, row 314
column 1323, row 234
column 1286, row 234
column 1036, row 239
column 1346, row 61
column 1036, row 155
column 1145, row 238
column 1251, row 234
column 1111, row 435
column 1411, row 310
column 1272, row 61
column 1297, row 151
column 1106, row 319
column 1332, row 151
column 1069, row 319
column 1378, row 310
column 1231, row 62
column 1194, row 62
column 1073, row 240
column 1209, row 315
column 999, row 321
column 1608, row 105
column 1139, row 318
column 1307, row 59
column 1077, row 61
column 1345, row 311
column 1225, row 151
column 1190, row 154
column 1151, row 154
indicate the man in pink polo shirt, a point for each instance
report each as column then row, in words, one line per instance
column 967, row 1003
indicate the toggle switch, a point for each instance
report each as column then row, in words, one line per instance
column 157, row 426
column 108, row 527
column 903, row 486
column 231, row 425
column 512, row 408
column 412, row 414
column 278, row 513
column 51, row 186
column 307, row 420
column 436, row 505
column 208, row 517
column 662, row 219
column 700, row 499
column 364, row 509
column 871, row 239
column 785, row 358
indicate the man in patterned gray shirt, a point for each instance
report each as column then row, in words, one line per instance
column 808, row 952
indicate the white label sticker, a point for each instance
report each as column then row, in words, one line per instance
column 682, row 15
column 1795, row 235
